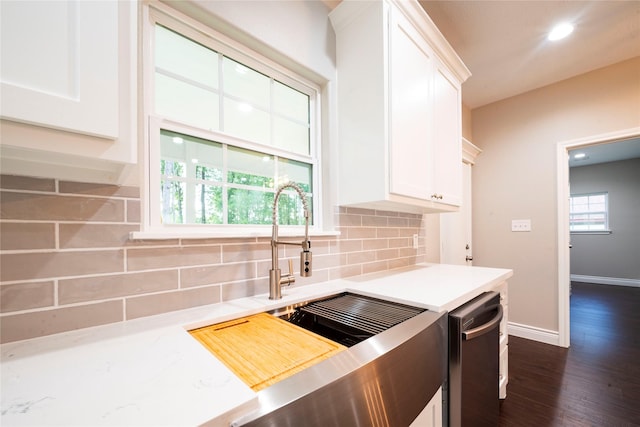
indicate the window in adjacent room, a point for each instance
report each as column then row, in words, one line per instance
column 589, row 212
column 226, row 128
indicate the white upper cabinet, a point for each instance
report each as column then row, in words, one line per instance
column 69, row 66
column 399, row 109
column 411, row 92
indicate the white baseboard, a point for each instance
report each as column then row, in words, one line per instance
column 532, row 333
column 605, row 280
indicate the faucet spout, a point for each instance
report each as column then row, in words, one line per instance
column 276, row 279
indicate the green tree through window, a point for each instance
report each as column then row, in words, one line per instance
column 195, row 184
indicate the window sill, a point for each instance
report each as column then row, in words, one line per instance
column 163, row 234
column 592, row 232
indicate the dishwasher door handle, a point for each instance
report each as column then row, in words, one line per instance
column 483, row 329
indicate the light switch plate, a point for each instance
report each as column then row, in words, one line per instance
column 520, row 225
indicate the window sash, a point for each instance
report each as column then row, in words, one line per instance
column 284, row 169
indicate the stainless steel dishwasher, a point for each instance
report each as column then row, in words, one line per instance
column 474, row 362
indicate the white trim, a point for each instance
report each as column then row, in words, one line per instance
column 577, row 233
column 617, row 281
column 563, row 236
column 469, row 151
column 564, row 242
column 532, row 333
column 162, row 234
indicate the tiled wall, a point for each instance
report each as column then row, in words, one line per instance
column 66, row 260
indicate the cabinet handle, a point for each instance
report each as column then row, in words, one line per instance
column 436, row 196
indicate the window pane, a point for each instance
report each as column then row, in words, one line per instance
column 291, row 209
column 249, row 206
column 208, row 204
column 185, row 58
column 296, row 172
column 290, row 206
column 197, row 156
column 290, row 103
column 244, row 121
column 187, row 103
column 291, row 123
column 579, row 208
column 248, row 167
column 172, row 202
column 171, row 168
column 291, row 136
column 206, row 158
column 208, row 173
column 198, row 163
column 246, row 84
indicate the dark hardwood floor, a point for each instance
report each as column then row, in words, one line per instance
column 596, row 381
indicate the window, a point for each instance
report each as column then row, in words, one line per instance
column 589, row 213
column 226, row 128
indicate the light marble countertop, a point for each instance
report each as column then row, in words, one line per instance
column 150, row 371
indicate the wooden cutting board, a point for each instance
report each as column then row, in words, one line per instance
column 263, row 349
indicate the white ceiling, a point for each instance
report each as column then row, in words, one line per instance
column 603, row 153
column 504, row 43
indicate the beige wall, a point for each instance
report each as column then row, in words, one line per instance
column 515, row 177
column 467, row 124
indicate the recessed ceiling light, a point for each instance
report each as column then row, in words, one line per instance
column 579, row 156
column 177, row 140
column 560, row 31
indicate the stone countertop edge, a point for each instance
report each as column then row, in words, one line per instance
column 150, row 371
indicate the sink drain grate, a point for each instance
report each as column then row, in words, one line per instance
column 366, row 314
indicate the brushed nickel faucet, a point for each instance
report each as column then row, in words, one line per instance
column 276, row 279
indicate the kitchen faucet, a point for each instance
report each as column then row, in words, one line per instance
column 276, row 280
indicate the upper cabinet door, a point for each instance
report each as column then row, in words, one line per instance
column 59, row 65
column 411, row 109
column 447, row 137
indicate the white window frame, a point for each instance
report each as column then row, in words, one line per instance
column 151, row 224
column 606, row 229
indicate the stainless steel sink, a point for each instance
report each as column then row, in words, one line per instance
column 384, row 379
column 348, row 318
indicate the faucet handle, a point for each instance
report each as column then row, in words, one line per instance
column 287, row 279
column 290, row 267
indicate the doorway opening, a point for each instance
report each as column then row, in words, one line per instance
column 564, row 241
